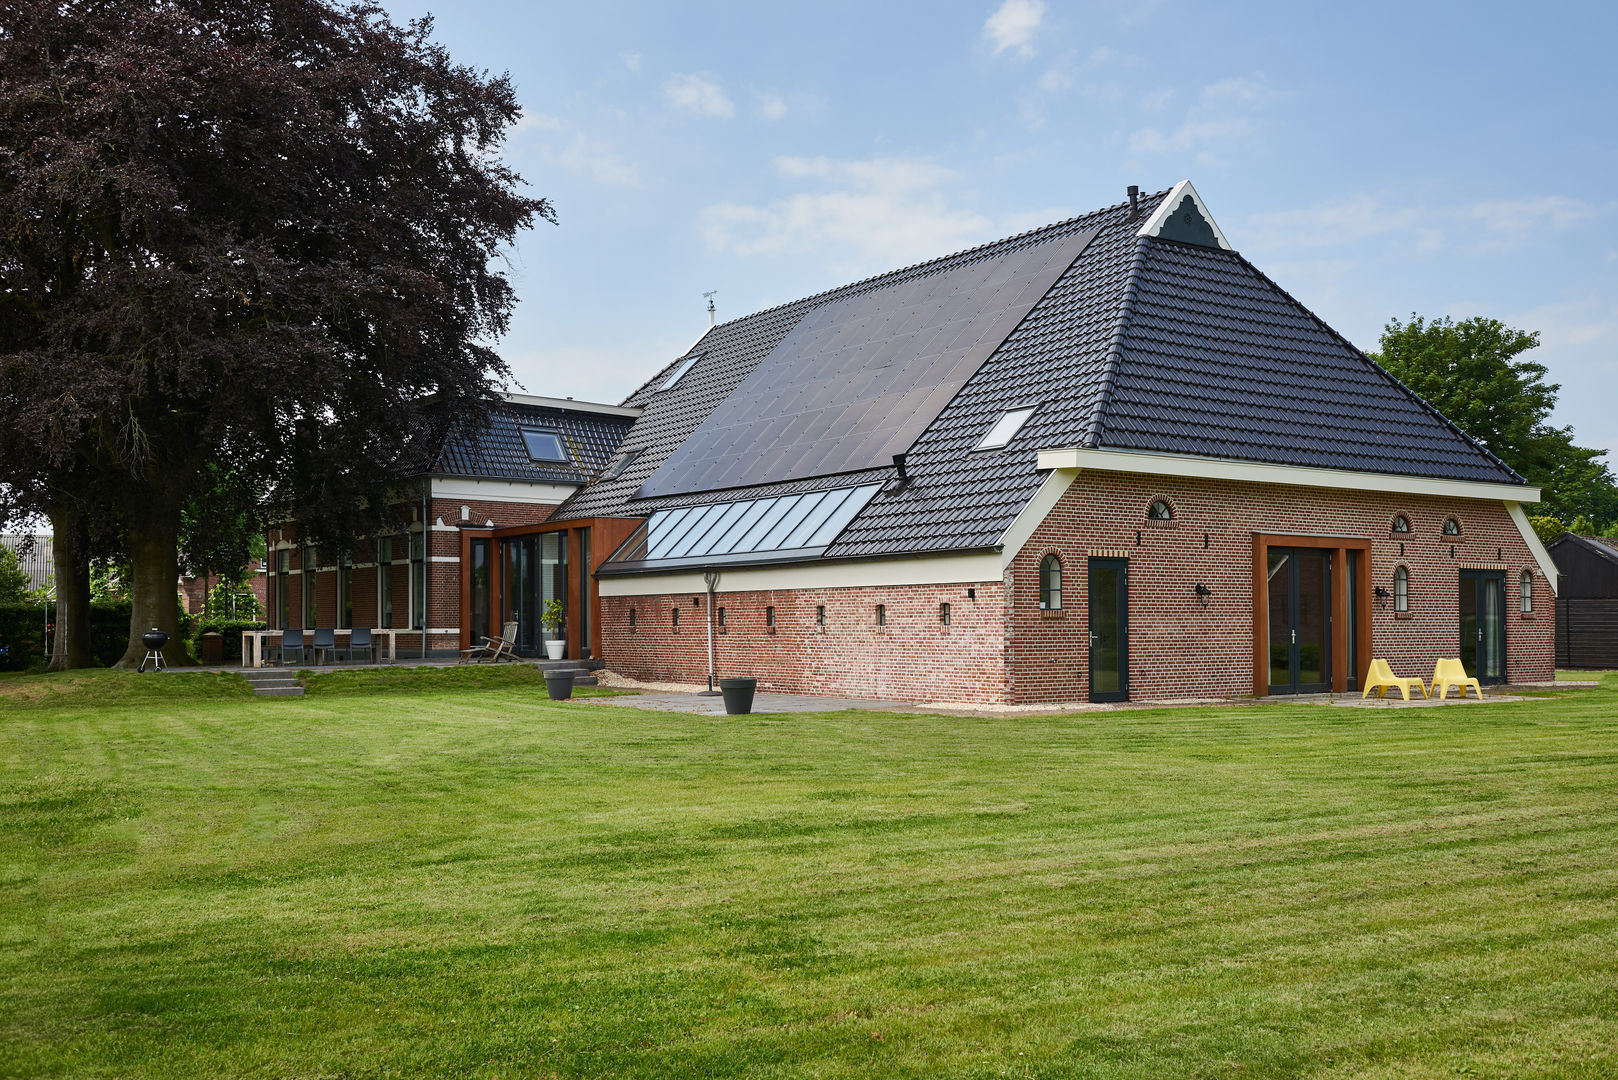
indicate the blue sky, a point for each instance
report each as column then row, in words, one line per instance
column 1375, row 159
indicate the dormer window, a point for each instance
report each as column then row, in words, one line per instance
column 1006, row 428
column 679, row 372
column 544, row 446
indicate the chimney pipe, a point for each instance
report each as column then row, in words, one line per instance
column 710, row 295
column 1134, row 200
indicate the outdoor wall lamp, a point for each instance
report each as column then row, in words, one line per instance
column 1203, row 594
column 1381, row 595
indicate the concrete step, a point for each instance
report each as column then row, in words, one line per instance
column 279, row 691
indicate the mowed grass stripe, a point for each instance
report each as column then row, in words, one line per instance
column 465, row 880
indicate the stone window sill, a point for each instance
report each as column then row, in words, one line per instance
column 1403, row 615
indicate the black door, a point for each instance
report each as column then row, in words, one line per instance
column 1299, row 620
column 1483, row 625
column 1109, row 630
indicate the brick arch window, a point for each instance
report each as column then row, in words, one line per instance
column 1050, row 583
column 1452, row 526
column 1526, row 602
column 1401, row 589
column 1160, row 510
column 1401, row 524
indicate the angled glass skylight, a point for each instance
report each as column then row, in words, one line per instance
column 544, row 446
column 679, row 372
column 747, row 529
column 615, row 468
column 1006, row 428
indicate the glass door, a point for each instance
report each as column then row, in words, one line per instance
column 1109, row 630
column 1483, row 625
column 1299, row 610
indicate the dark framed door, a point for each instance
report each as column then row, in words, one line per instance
column 1483, row 625
column 1299, row 599
column 1109, row 630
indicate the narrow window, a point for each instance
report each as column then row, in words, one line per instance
column 345, row 594
column 631, row 620
column 384, row 582
column 1527, row 592
column 679, row 372
column 769, row 616
column 616, row 467
column 1005, row 429
column 676, row 616
column 1050, row 583
column 1401, row 524
column 418, row 580
column 820, row 614
column 544, row 445
column 309, row 572
column 1401, row 589
column 721, row 618
column 882, row 614
column 1452, row 527
column 1159, row 511
column 943, row 614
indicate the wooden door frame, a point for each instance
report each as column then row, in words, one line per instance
column 1341, row 546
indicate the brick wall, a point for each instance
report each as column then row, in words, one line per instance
column 1003, row 648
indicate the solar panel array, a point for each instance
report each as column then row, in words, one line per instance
column 734, row 530
column 857, row 380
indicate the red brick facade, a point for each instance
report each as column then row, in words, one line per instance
column 1001, row 648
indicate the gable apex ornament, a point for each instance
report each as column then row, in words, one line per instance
column 1183, row 216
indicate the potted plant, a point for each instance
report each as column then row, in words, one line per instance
column 552, row 620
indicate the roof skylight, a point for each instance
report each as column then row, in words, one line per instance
column 615, row 468
column 748, row 529
column 679, row 372
column 1006, row 428
column 544, row 445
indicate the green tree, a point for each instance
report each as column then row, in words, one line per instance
column 1474, row 372
column 14, row 581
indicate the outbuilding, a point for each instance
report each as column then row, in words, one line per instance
column 1587, row 601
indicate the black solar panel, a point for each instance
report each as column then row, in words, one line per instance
column 858, row 380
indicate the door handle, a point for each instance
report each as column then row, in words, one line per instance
column 1294, row 637
column 1093, row 637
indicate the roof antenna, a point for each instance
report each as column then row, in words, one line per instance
column 709, row 295
column 1134, row 200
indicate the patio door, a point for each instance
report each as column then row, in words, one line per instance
column 535, row 574
column 1109, row 630
column 1483, row 625
column 1299, row 620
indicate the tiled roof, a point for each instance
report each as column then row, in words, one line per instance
column 1143, row 343
column 498, row 452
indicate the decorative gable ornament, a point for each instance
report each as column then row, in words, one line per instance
column 1184, row 217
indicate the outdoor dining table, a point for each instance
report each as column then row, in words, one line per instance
column 253, row 642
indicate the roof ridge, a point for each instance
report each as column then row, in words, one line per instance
column 1390, row 376
column 1090, row 432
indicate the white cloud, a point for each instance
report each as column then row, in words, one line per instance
column 631, row 60
column 1013, row 24
column 597, row 158
column 864, row 216
column 771, row 107
column 1221, row 115
column 1157, row 99
column 537, row 121
column 1489, row 225
column 698, row 95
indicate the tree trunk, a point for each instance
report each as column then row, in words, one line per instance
column 155, row 574
column 70, row 545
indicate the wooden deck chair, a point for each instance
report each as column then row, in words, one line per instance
column 1380, row 677
column 493, row 649
column 1450, row 673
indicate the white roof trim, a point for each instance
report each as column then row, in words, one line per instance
column 1547, row 565
column 1033, row 513
column 572, row 405
column 1154, row 224
column 1253, row 472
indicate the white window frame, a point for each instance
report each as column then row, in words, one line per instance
column 680, row 372
column 1006, row 428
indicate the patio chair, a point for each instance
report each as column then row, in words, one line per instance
column 1380, row 677
column 493, row 649
column 325, row 642
column 359, row 640
column 291, row 642
column 1448, row 673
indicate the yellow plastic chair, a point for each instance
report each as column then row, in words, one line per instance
column 1380, row 677
column 1450, row 673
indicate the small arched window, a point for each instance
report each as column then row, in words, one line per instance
column 1452, row 527
column 1401, row 589
column 1401, row 524
column 1527, row 601
column 1160, row 511
column 1050, row 583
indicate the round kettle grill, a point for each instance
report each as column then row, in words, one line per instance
column 154, row 640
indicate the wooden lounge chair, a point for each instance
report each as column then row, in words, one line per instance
column 1450, row 673
column 493, row 650
column 1380, row 677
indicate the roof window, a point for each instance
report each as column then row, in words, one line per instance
column 1006, row 428
column 544, row 445
column 615, row 468
column 679, row 372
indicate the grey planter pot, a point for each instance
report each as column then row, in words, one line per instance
column 738, row 695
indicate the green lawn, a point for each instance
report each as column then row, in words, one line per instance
column 462, row 879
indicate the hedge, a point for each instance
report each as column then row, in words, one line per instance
column 22, row 634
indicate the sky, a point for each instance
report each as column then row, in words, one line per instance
column 1376, row 160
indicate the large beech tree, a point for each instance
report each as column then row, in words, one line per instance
column 256, row 234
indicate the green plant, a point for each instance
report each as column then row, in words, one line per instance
column 554, row 615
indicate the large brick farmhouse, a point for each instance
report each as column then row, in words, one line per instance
column 1107, row 459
